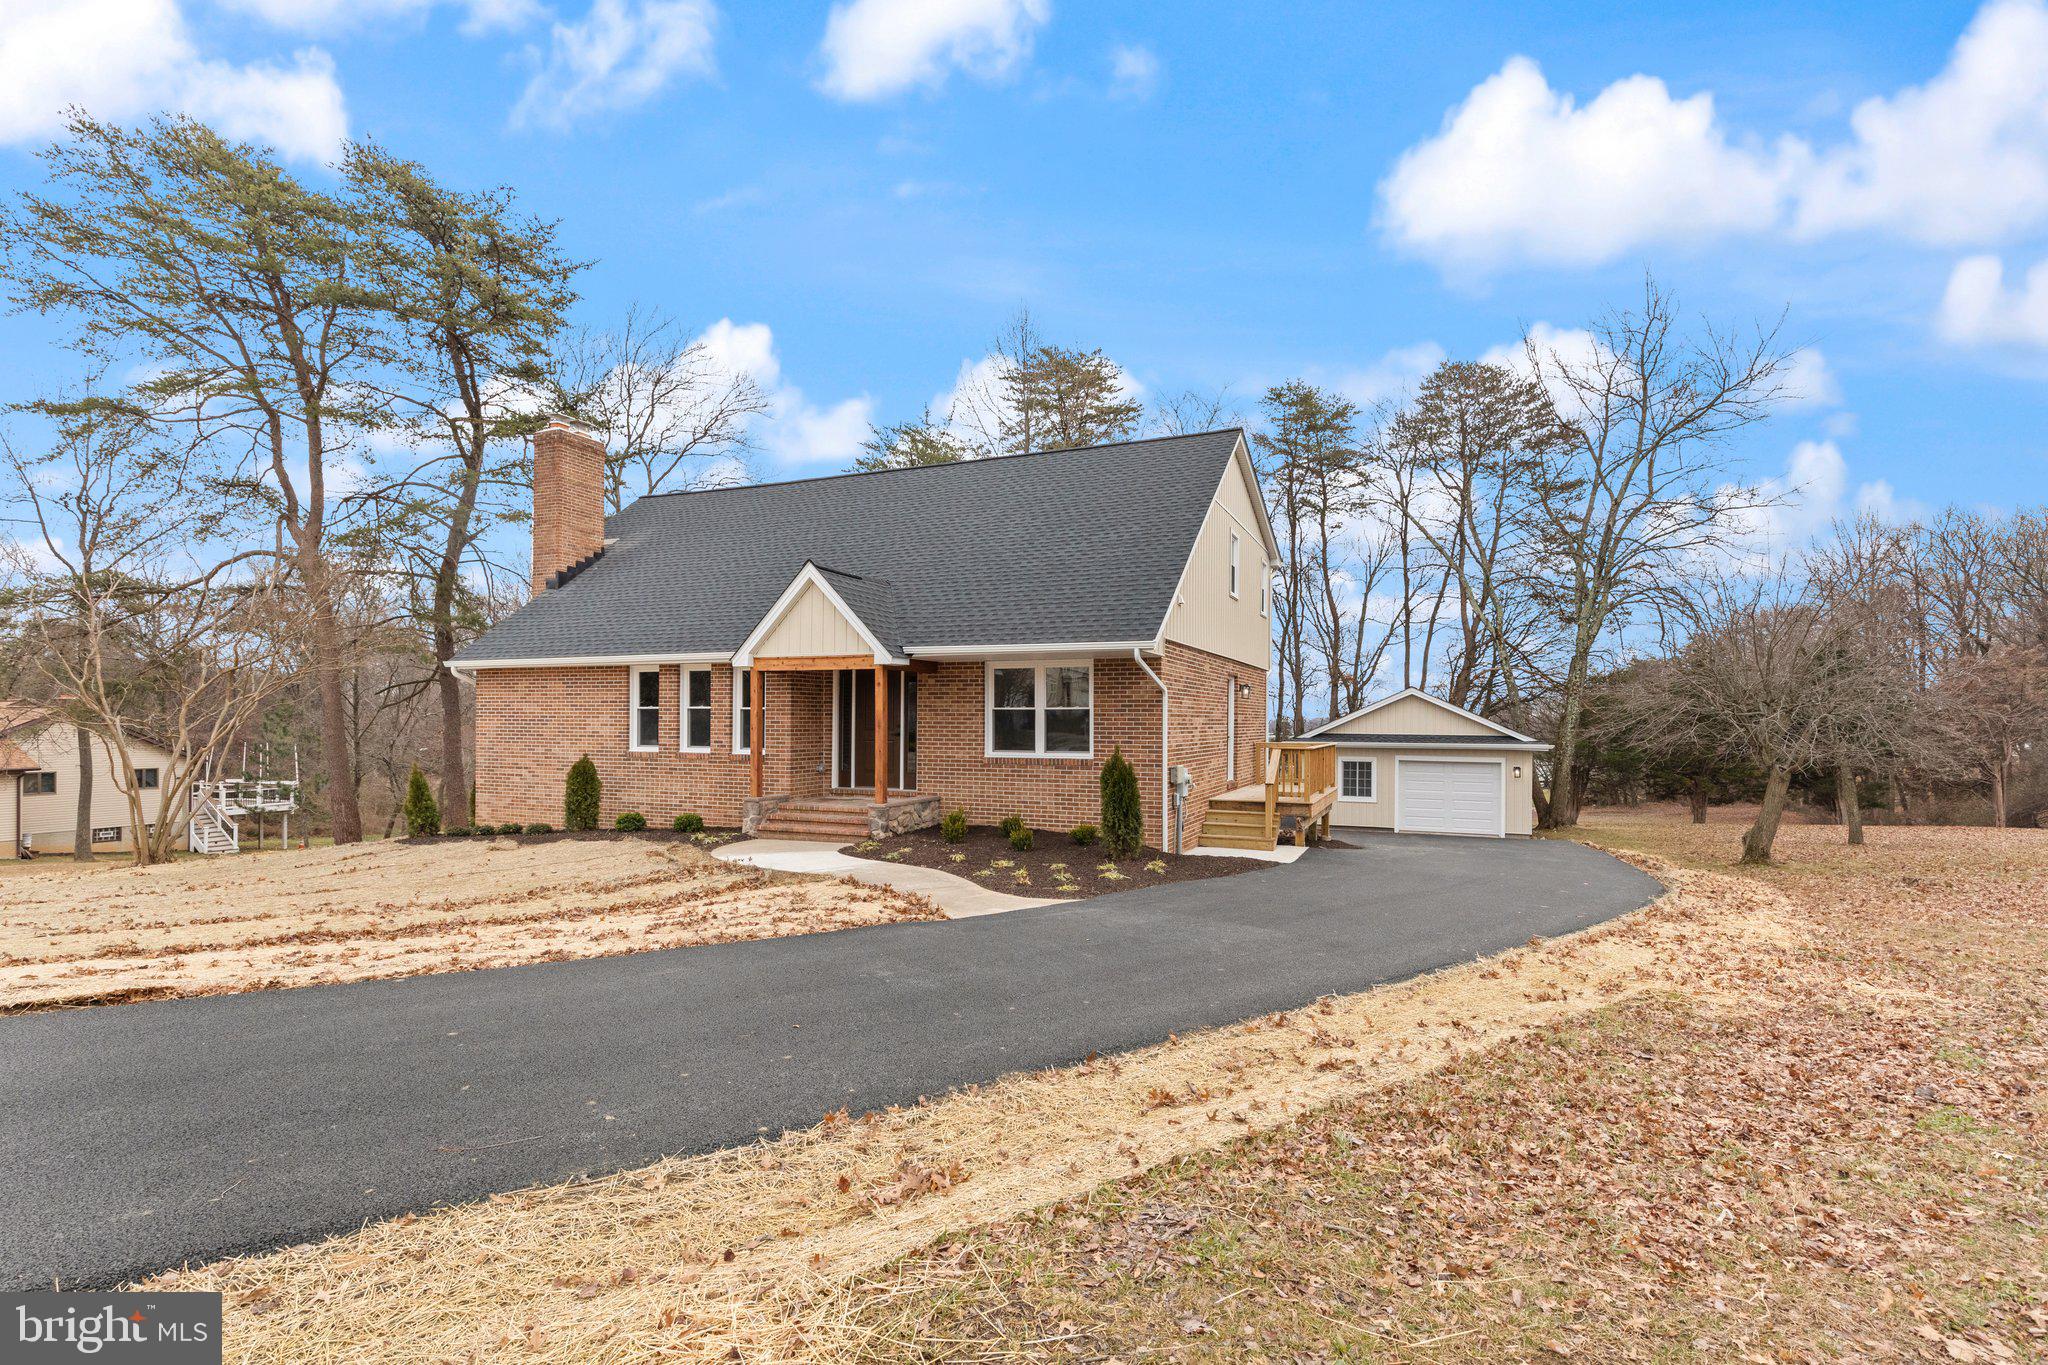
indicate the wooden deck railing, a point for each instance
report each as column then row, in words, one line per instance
column 1296, row 770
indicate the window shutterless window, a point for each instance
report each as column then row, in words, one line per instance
column 1041, row 709
column 1356, row 779
column 697, row 710
column 743, row 710
column 146, row 779
column 39, row 784
column 1236, row 561
column 646, row 718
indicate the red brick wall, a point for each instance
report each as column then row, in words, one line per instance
column 531, row 724
column 1201, row 684
column 568, row 500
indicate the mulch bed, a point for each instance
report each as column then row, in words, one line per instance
column 707, row 838
column 1053, row 866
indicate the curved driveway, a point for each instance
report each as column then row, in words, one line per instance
column 141, row 1136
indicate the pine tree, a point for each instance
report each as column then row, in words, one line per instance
column 1123, row 818
column 422, row 816
column 908, row 445
column 579, row 799
column 1062, row 398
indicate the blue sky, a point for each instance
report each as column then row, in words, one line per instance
column 1217, row 195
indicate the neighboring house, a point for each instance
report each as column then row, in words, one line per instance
column 39, row 759
column 1416, row 764
column 977, row 636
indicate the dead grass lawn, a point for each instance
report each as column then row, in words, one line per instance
column 84, row 934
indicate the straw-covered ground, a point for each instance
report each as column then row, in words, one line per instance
column 75, row 934
column 841, row 1240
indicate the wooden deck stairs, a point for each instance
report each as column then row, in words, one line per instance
column 1292, row 802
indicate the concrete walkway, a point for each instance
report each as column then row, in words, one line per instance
column 959, row 897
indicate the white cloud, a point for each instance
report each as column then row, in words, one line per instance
column 877, row 48
column 1978, row 309
column 1134, row 71
column 1392, row 377
column 622, row 53
column 794, row 431
column 310, row 16
column 1523, row 172
column 1807, row 382
column 120, row 59
column 1813, row 492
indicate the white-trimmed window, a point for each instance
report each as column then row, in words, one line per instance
column 1236, row 561
column 743, row 710
column 696, row 711
column 1265, row 588
column 1041, row 710
column 646, row 717
column 1357, row 779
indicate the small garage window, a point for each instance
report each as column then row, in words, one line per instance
column 1355, row 778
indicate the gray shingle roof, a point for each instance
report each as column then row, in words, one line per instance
column 1059, row 547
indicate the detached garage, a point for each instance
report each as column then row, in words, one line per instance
column 1417, row 765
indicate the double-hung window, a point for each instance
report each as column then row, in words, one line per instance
column 743, row 710
column 1236, row 561
column 697, row 710
column 646, row 719
column 1355, row 779
column 1041, row 709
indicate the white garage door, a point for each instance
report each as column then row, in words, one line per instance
column 1449, row 798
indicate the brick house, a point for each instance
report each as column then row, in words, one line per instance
column 865, row 651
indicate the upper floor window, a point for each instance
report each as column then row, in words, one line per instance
column 146, row 779
column 39, row 784
column 1236, row 561
column 1040, row 709
column 1265, row 589
column 646, row 708
column 697, row 710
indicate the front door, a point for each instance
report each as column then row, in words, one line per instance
column 853, row 730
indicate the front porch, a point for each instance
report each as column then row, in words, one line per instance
column 1293, row 801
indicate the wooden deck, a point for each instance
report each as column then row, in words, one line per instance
column 1293, row 802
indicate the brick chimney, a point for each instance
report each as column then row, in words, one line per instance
column 568, row 498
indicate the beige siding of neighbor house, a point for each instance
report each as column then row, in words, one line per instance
column 1204, row 615
column 49, row 821
column 812, row 626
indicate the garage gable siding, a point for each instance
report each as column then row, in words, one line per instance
column 1411, row 716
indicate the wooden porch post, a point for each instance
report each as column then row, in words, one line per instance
column 881, row 735
column 757, row 691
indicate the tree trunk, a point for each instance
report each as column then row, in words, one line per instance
column 1998, row 795
column 344, row 811
column 1757, row 841
column 1564, row 788
column 1850, row 801
column 81, row 828
column 1696, row 798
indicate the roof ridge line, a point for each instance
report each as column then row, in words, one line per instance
column 925, row 468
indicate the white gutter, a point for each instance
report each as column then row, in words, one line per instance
column 1165, row 765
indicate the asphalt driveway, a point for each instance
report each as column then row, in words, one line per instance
column 141, row 1136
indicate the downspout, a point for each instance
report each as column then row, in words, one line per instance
column 1165, row 762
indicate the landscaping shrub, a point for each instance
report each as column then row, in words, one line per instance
column 1011, row 824
column 422, row 816
column 459, row 832
column 1083, row 835
column 1020, row 839
column 954, row 827
column 541, row 827
column 690, row 824
column 631, row 821
column 511, row 827
column 1123, row 818
column 579, row 797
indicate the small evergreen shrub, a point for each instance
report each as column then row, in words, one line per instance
column 690, row 824
column 1083, row 835
column 459, row 832
column 1020, row 839
column 422, row 815
column 630, row 822
column 1011, row 824
column 1123, row 818
column 540, row 827
column 580, row 795
column 954, row 827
